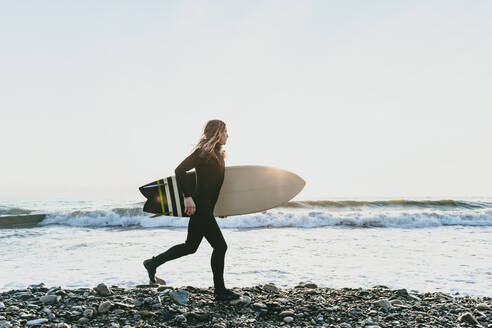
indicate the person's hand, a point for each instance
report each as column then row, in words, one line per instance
column 190, row 207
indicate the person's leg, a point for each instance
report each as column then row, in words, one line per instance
column 190, row 246
column 214, row 236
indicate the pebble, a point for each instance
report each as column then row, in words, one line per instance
column 12, row 308
column 50, row 299
column 480, row 307
column 103, row 290
column 271, row 288
column 243, row 300
column 468, row 318
column 259, row 306
column 104, row 307
column 83, row 320
column 179, row 296
column 181, row 318
column 36, row 322
column 286, row 313
column 384, row 303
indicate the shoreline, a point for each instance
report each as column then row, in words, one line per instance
column 305, row 305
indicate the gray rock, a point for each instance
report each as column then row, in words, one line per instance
column 468, row 318
column 103, row 290
column 180, row 318
column 179, row 296
column 105, row 307
column 50, row 299
column 2, row 305
column 310, row 285
column 83, row 320
column 260, row 305
column 89, row 313
column 63, row 325
column 345, row 325
column 219, row 325
column 384, row 303
column 401, row 292
column 201, row 316
column 271, row 288
column 286, row 313
column 414, row 298
column 12, row 308
column 5, row 324
column 288, row 319
column 36, row 322
column 480, row 307
column 243, row 300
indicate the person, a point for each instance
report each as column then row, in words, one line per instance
column 208, row 161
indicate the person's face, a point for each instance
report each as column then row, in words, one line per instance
column 223, row 137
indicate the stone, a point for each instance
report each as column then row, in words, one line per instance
column 286, row 313
column 288, row 319
column 201, row 316
column 104, row 307
column 414, row 298
column 219, row 325
column 5, row 324
column 12, row 308
column 36, row 322
column 50, row 299
column 103, row 290
column 271, row 288
column 89, row 313
column 83, row 320
column 345, row 325
column 260, row 306
column 401, row 292
column 384, row 303
column 243, row 300
column 480, row 307
column 180, row 318
column 179, row 296
column 63, row 325
column 124, row 305
column 2, row 305
column 310, row 285
column 468, row 318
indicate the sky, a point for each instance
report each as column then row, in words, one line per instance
column 363, row 99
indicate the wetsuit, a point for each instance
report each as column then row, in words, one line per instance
column 210, row 176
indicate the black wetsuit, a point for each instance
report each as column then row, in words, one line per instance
column 210, row 175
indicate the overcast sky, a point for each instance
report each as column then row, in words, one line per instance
column 360, row 98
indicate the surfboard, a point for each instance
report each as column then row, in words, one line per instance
column 246, row 189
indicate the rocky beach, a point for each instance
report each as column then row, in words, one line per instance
column 306, row 305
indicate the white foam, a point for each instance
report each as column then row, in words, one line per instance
column 293, row 218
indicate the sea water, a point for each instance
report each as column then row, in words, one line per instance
column 422, row 245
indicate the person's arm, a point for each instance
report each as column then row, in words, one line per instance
column 187, row 164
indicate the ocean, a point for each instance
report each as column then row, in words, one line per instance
column 420, row 245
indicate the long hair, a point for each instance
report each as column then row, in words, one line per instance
column 210, row 138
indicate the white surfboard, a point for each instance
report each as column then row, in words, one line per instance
column 246, row 189
column 251, row 189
